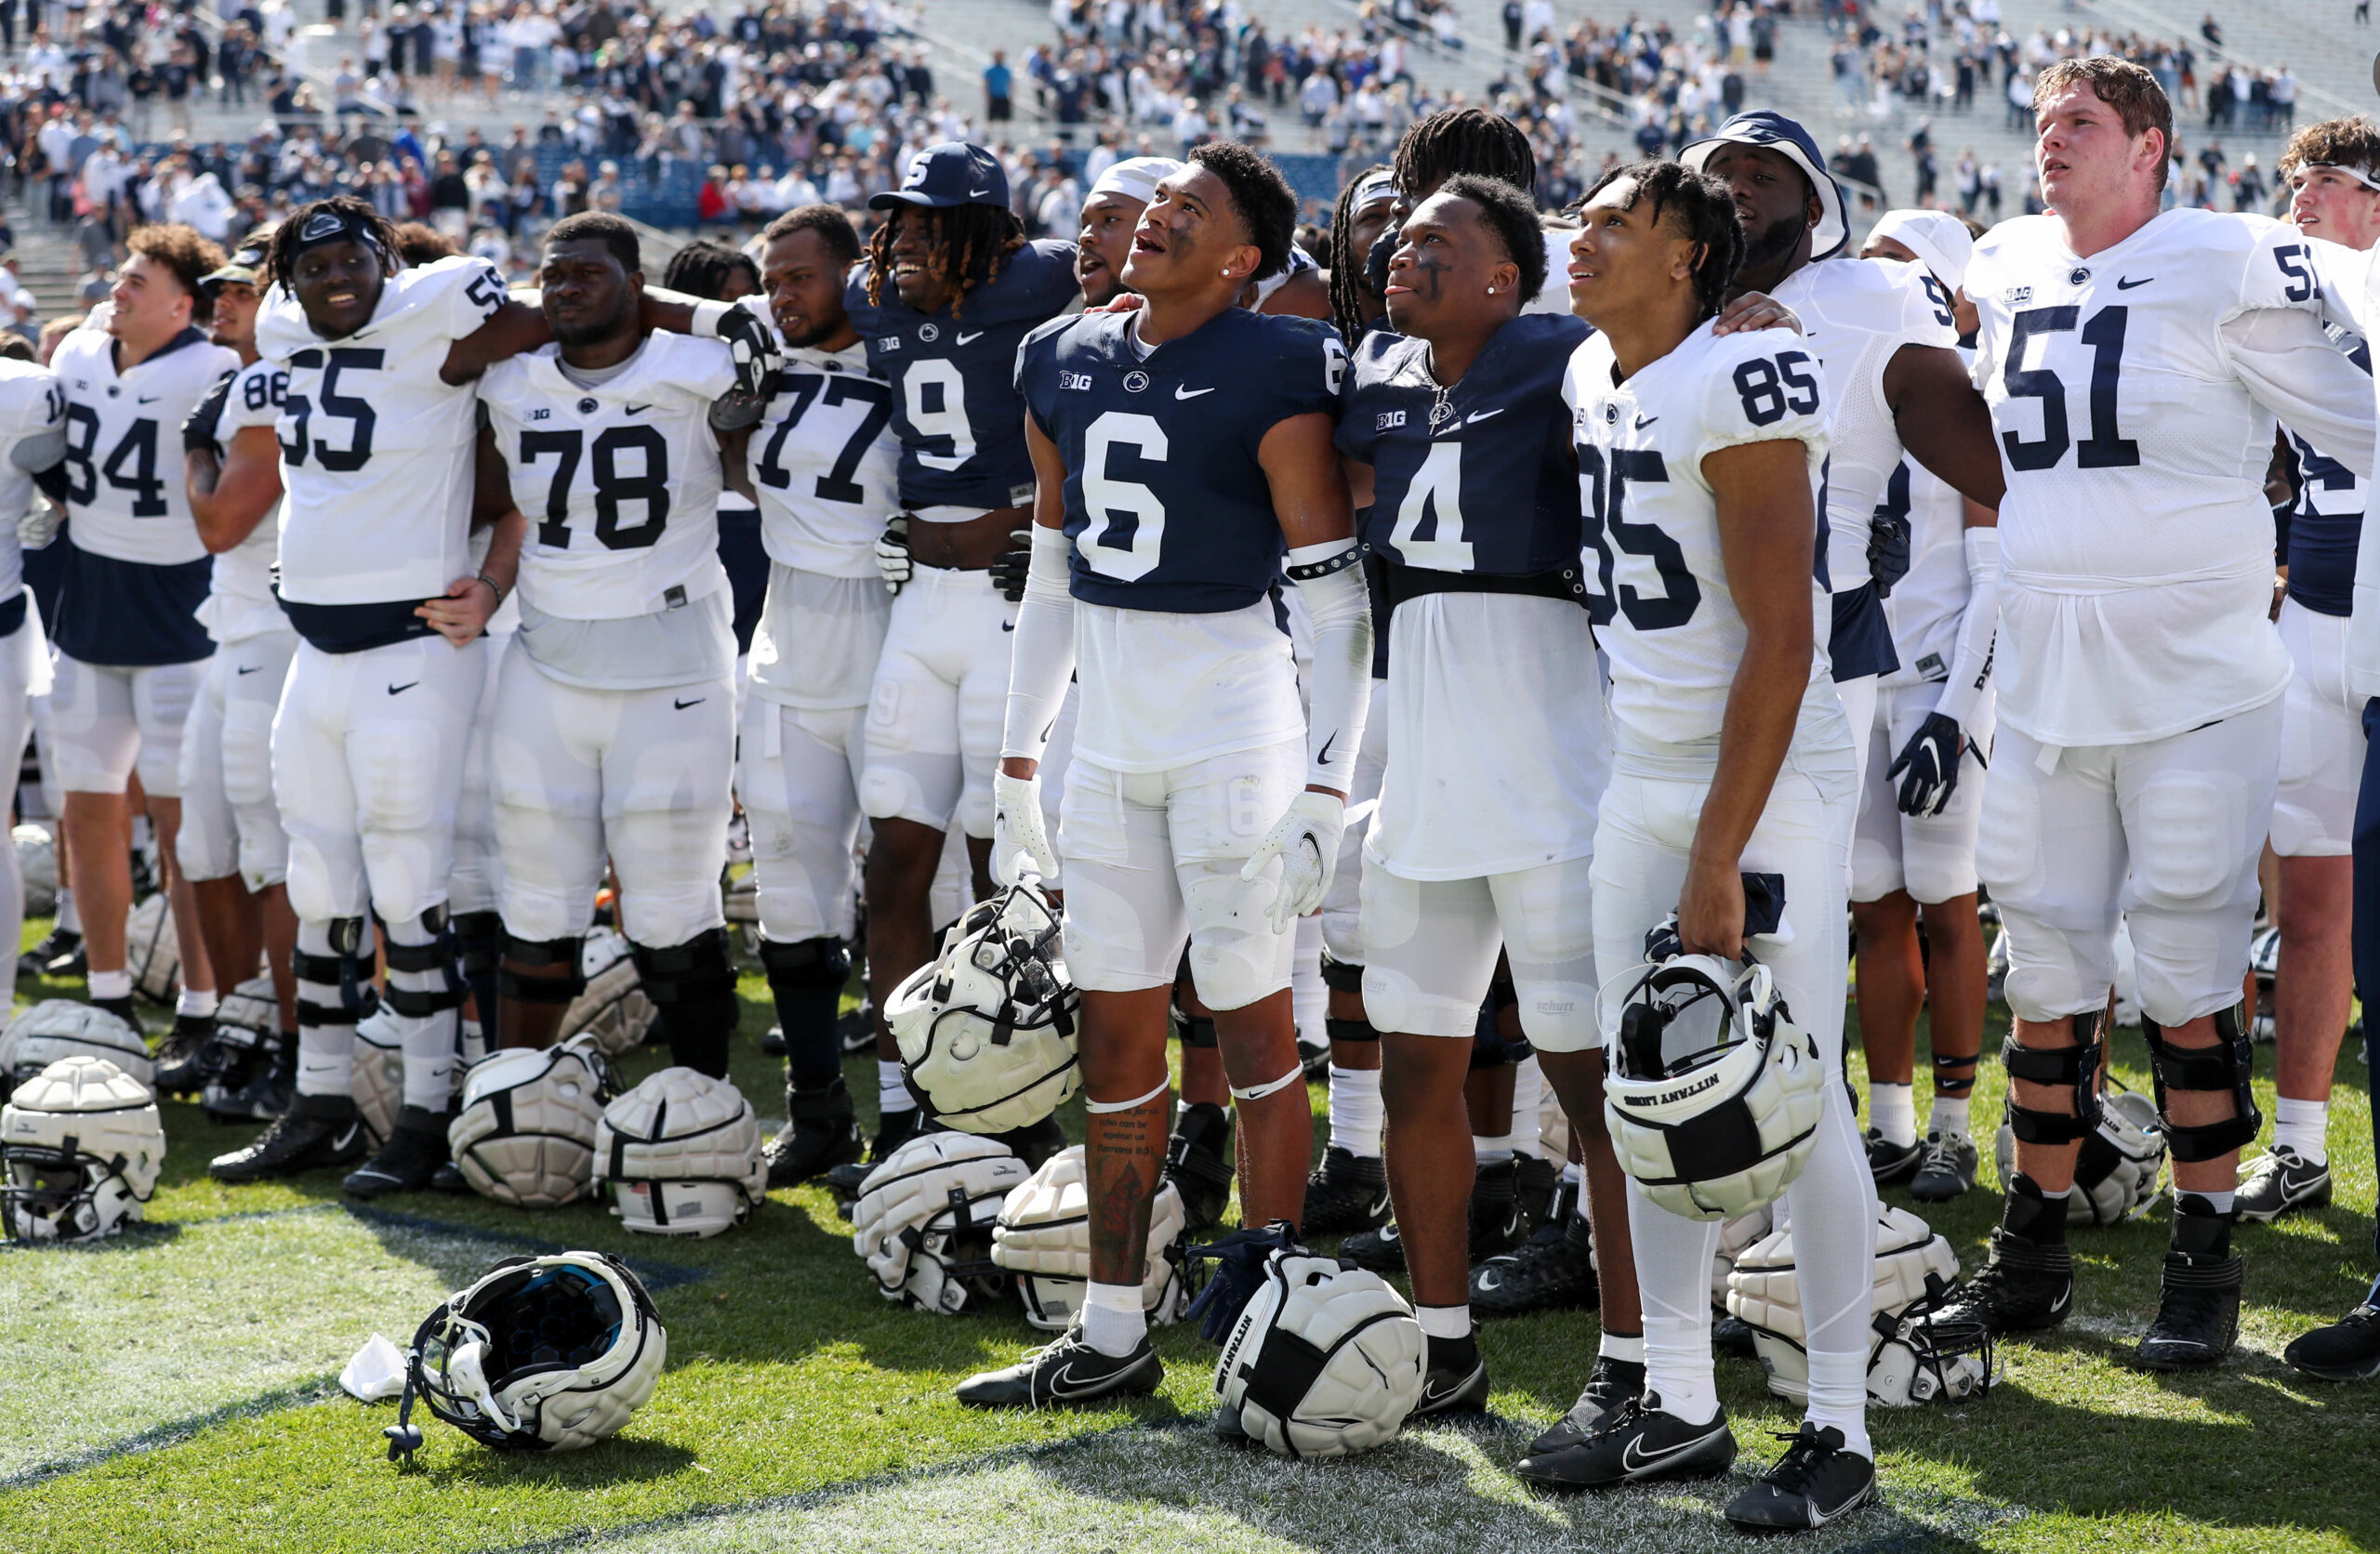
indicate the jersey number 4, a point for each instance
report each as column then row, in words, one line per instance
column 809, row 388
column 132, row 466
column 649, row 485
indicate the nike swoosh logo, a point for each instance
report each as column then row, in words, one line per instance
column 247, row 668
column 636, row 408
column 1324, row 759
column 970, row 339
column 1182, row 394
column 1478, row 416
column 408, row 685
column 1632, row 1461
column 151, row 399
column 2127, row 285
column 344, row 1139
column 979, row 193
column 1011, row 625
column 1644, row 421
column 1061, row 1385
column 684, row 705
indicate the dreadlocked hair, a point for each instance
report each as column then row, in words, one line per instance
column 974, row 242
column 702, row 269
column 1346, row 266
column 1700, row 209
column 1462, row 140
column 281, row 259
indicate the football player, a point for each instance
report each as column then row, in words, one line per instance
column 2134, row 362
column 948, row 291
column 1177, row 448
column 823, row 464
column 715, row 271
column 131, row 649
column 614, row 733
column 32, row 426
column 1921, row 857
column 1496, row 755
column 232, row 845
column 1701, row 456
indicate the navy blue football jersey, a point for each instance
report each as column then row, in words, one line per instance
column 1481, row 481
column 954, row 403
column 2327, row 525
column 1166, row 503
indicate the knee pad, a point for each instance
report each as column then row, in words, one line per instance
column 438, row 958
column 479, row 938
column 2228, row 1065
column 1350, row 1030
column 2076, row 1066
column 806, row 965
column 1341, row 976
column 887, row 792
column 342, row 968
column 559, row 975
column 693, row 972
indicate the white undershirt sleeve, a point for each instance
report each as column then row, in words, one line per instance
column 1971, row 658
column 1341, row 608
column 1042, row 655
column 2289, row 366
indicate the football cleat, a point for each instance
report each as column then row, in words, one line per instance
column 1732, row 1336
column 1890, row 1163
column 265, row 1096
column 59, row 954
column 1198, row 1162
column 316, row 1131
column 1066, row 1372
column 1497, row 1224
column 1537, row 1183
column 1946, row 1170
column 2273, row 1183
column 1611, row 1384
column 1347, row 1192
column 1315, row 1058
column 417, row 1147
column 857, row 1027
column 179, row 1071
column 1555, row 1268
column 893, row 1130
column 2024, row 1288
column 2348, row 1349
column 1637, row 1443
column 1456, row 1379
column 449, row 1177
column 1814, row 1482
column 120, row 1007
column 772, row 1042
column 821, row 1133
column 2198, row 1313
column 1377, row 1250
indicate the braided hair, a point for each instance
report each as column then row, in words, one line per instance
column 975, row 242
column 1346, row 266
column 702, row 267
column 1700, row 209
column 1462, row 140
column 281, row 259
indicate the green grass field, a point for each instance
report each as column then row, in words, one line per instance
column 172, row 1389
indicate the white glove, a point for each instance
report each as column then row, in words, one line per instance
column 1307, row 841
column 893, row 553
column 1019, row 833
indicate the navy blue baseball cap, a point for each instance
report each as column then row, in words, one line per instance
column 953, row 173
column 1789, row 139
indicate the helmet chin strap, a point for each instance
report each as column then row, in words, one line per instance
column 464, row 1368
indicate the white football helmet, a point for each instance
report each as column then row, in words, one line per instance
column 58, row 1028
column 525, row 1133
column 37, row 865
column 924, row 1219
column 2116, row 1170
column 1916, row 1353
column 81, row 1145
column 681, row 1155
column 378, row 1081
column 1324, row 1362
column 1043, row 1237
column 987, row 1030
column 252, row 1006
column 614, row 1006
column 1713, row 1093
column 1735, row 1237
column 542, row 1354
column 150, row 952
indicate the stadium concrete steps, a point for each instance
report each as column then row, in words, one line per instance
column 2331, row 56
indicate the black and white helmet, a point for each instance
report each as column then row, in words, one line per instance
column 58, row 1028
column 613, row 1004
column 987, row 1030
column 2117, row 1169
column 1713, row 1093
column 542, row 1354
column 1043, row 1237
column 1324, row 1361
column 680, row 1155
column 924, row 1221
column 81, row 1147
column 524, row 1134
column 151, row 953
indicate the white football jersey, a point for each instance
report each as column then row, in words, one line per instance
column 1855, row 315
column 126, row 498
column 620, row 481
column 239, row 598
column 1661, row 608
column 826, row 463
column 376, row 451
column 30, row 403
column 2133, row 394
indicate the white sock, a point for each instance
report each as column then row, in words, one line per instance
column 199, row 1002
column 1622, row 1346
column 2303, row 1126
column 1839, row 1398
column 1114, row 1321
column 2219, row 1202
column 1574, row 1175
column 1950, row 1114
column 2048, row 1196
column 1677, row 1367
column 1529, row 1100
column 325, row 1051
column 68, row 918
column 109, row 985
column 427, row 1039
column 1309, row 995
column 1445, row 1321
column 1892, row 1110
column 1487, row 1149
column 892, row 1090
column 1356, row 1112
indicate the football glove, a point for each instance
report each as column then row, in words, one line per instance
column 753, row 346
column 198, row 427
column 893, row 553
column 1020, row 836
column 1928, row 765
column 1009, row 568
column 1306, row 841
column 1887, row 551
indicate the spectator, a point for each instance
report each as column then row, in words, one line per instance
column 998, row 80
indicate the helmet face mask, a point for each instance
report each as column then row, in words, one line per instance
column 680, row 1155
column 988, row 1030
column 81, row 1150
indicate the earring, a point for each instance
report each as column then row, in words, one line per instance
column 1491, row 291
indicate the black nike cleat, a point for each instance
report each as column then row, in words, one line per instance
column 1946, row 1170
column 120, row 1007
column 857, row 1028
column 59, row 954
column 1347, row 1192
column 822, row 1133
column 1611, row 1384
column 1067, row 1372
column 1890, row 1163
column 263, row 1096
column 1638, row 1443
column 2347, row 1350
column 1815, row 1482
column 2198, row 1313
column 316, row 1131
column 179, row 1072
column 1198, row 1162
column 449, row 1177
column 2281, row 1181
column 1537, row 1184
column 1732, row 1337
column 2025, row 1287
column 772, row 1042
column 1456, row 1381
column 893, row 1130
column 1554, row 1268
column 1379, row 1251
column 1497, row 1225
column 417, row 1147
